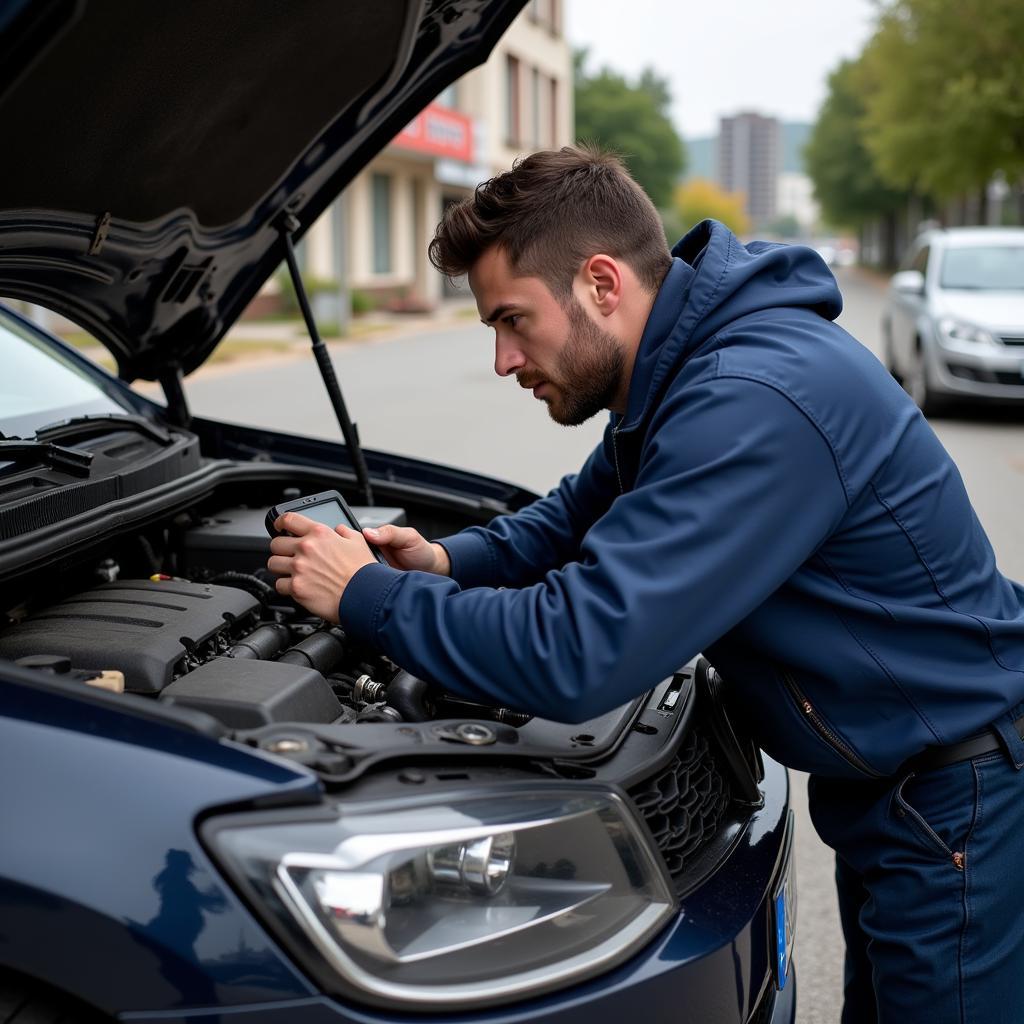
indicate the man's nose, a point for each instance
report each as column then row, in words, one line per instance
column 507, row 357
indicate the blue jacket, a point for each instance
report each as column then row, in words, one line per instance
column 771, row 498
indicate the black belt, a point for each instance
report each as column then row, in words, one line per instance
column 938, row 757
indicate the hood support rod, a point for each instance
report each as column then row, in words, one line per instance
column 288, row 224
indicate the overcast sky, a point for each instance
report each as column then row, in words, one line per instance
column 723, row 56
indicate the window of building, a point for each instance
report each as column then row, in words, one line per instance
column 553, row 113
column 546, row 13
column 535, row 104
column 416, row 235
column 381, row 223
column 512, row 126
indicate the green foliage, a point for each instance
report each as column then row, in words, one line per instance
column 944, row 94
column 361, row 301
column 289, row 300
column 631, row 120
column 846, row 184
column 786, row 226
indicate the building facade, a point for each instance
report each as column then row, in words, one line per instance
column 376, row 235
column 749, row 160
column 795, row 198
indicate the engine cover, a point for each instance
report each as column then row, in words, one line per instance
column 150, row 631
column 247, row 694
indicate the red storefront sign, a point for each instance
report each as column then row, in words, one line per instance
column 439, row 132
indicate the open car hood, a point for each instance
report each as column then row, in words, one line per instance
column 151, row 150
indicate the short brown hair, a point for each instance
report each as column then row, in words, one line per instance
column 552, row 211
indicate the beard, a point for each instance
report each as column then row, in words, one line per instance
column 587, row 374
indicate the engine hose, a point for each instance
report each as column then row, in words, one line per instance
column 262, row 643
column 323, row 651
column 410, row 697
column 246, row 581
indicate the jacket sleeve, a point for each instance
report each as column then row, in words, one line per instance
column 736, row 490
column 517, row 550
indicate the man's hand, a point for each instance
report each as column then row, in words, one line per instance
column 405, row 548
column 315, row 563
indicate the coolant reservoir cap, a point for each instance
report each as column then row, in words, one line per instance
column 475, row 733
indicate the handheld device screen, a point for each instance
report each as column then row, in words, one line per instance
column 330, row 513
column 327, row 507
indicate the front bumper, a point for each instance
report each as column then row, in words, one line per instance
column 712, row 962
column 972, row 370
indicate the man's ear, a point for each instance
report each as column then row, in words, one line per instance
column 602, row 280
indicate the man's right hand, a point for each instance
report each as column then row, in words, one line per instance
column 406, row 548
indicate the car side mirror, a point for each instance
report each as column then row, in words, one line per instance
column 910, row 282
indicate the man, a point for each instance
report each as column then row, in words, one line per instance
column 765, row 493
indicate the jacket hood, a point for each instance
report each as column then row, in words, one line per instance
column 716, row 279
column 154, row 150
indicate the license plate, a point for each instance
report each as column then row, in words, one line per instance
column 784, row 911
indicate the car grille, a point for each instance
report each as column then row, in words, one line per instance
column 1007, row 377
column 986, row 376
column 684, row 804
column 1012, row 339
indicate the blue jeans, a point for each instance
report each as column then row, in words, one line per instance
column 930, row 874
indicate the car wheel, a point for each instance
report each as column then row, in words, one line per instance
column 916, row 384
column 888, row 359
column 26, row 1002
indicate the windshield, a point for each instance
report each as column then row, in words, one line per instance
column 40, row 386
column 986, row 268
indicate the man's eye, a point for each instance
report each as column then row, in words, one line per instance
column 511, row 319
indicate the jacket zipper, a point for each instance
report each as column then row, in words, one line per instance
column 615, row 454
column 825, row 731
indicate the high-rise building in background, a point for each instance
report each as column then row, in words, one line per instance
column 749, row 159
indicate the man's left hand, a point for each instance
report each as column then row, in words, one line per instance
column 315, row 563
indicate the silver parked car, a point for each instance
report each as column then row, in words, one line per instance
column 954, row 320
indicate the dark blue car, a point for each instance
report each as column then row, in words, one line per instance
column 213, row 806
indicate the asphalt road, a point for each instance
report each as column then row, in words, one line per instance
column 434, row 395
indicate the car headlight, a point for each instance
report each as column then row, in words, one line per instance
column 457, row 902
column 959, row 330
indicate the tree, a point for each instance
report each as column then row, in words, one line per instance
column 632, row 121
column 846, row 184
column 784, row 226
column 944, row 94
column 697, row 199
column 657, row 87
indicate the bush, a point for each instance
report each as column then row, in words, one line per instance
column 313, row 285
column 362, row 302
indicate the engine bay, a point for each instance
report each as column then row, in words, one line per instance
column 163, row 596
column 220, row 640
column 179, row 616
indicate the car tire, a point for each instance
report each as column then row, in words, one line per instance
column 917, row 385
column 888, row 359
column 26, row 1002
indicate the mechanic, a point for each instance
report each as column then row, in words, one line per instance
column 765, row 493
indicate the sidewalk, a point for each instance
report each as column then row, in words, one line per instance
column 378, row 325
column 260, row 340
